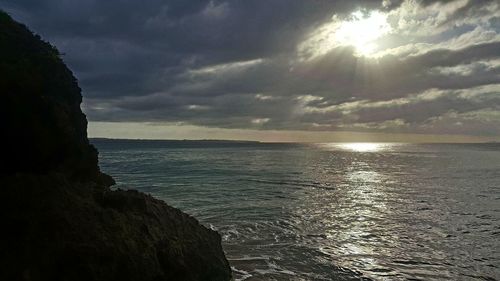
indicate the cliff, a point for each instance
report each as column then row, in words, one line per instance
column 60, row 220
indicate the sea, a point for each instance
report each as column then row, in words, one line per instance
column 329, row 211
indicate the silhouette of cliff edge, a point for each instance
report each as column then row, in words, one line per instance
column 60, row 219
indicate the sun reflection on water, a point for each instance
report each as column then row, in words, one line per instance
column 354, row 214
column 362, row 146
column 358, row 146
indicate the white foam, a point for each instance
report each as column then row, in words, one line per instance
column 244, row 274
column 248, row 258
column 275, row 269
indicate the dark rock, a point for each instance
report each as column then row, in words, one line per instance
column 55, row 229
column 60, row 220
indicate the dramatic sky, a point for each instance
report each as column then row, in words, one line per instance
column 305, row 70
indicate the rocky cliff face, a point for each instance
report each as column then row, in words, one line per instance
column 61, row 221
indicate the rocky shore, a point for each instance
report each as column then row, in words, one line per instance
column 60, row 219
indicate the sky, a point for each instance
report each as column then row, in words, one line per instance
column 280, row 70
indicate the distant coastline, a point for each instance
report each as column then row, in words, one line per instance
column 229, row 141
column 176, row 140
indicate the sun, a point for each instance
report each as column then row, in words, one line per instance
column 361, row 31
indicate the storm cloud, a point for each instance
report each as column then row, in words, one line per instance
column 277, row 65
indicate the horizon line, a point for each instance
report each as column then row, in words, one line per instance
column 288, row 142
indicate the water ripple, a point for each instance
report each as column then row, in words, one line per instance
column 332, row 212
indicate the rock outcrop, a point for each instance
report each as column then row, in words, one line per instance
column 60, row 219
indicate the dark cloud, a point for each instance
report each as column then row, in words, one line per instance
column 236, row 64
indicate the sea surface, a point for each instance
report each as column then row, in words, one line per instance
column 332, row 211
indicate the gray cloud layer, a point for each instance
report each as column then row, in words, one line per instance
column 247, row 64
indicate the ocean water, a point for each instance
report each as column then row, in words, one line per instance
column 330, row 211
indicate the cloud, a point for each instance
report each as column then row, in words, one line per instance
column 281, row 65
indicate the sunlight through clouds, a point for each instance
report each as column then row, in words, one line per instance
column 360, row 30
column 391, row 66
